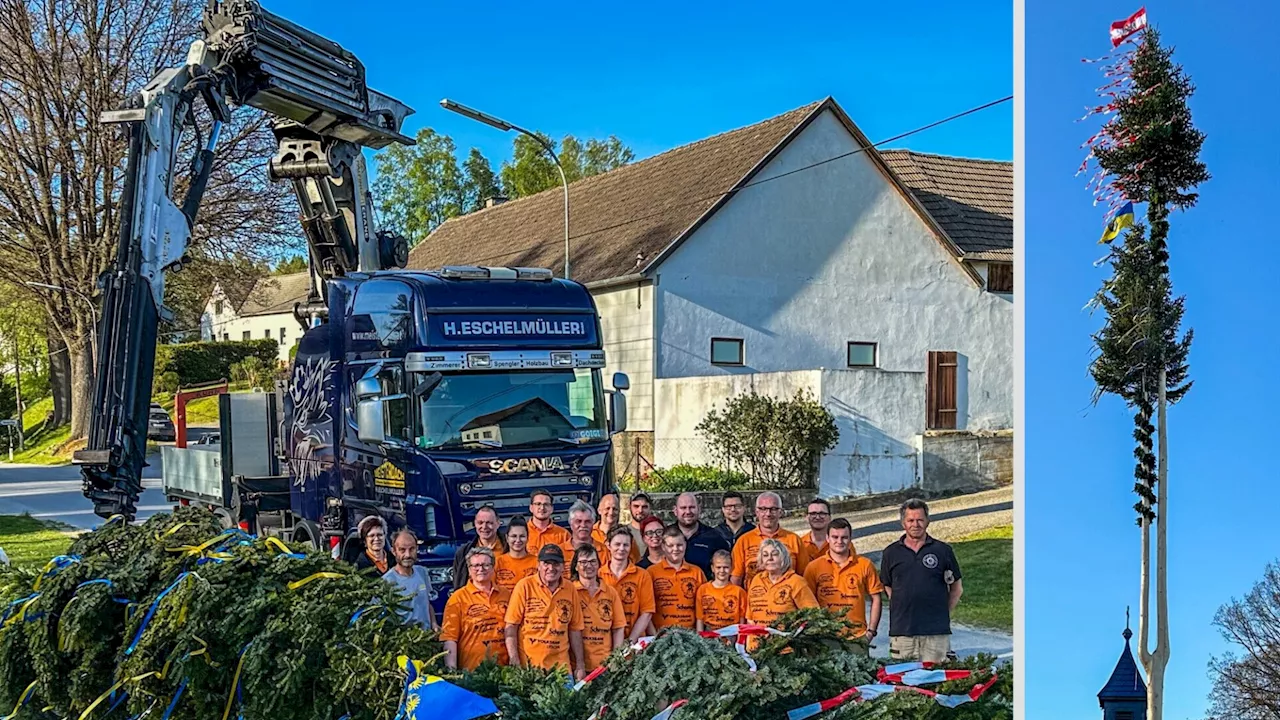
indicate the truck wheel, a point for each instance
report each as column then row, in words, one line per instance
column 307, row 533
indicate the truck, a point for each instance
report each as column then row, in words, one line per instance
column 415, row 396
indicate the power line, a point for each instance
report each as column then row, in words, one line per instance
column 715, row 196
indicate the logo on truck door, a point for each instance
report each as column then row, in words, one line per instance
column 519, row 465
column 388, row 476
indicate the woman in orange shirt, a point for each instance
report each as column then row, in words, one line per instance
column 633, row 583
column 373, row 535
column 603, row 617
column 776, row 590
column 651, row 529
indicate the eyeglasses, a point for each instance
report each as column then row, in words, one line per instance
column 653, row 533
column 481, row 566
column 589, row 561
column 819, row 514
column 540, row 504
column 768, row 509
column 732, row 506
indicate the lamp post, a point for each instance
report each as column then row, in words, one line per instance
column 505, row 126
column 93, row 349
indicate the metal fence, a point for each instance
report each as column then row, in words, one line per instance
column 643, row 462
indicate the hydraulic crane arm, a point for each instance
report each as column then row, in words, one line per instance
column 323, row 115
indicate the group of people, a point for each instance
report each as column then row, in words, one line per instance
column 536, row 593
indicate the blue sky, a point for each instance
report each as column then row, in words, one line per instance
column 665, row 73
column 1081, row 542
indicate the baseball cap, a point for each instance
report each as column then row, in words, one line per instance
column 642, row 496
column 551, row 554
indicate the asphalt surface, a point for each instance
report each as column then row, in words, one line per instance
column 52, row 492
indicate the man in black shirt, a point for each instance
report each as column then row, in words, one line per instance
column 701, row 541
column 922, row 578
column 733, row 506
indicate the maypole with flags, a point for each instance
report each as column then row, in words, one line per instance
column 1146, row 151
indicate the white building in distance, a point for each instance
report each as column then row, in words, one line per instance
column 266, row 312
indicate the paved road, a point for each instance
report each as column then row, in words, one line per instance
column 52, row 492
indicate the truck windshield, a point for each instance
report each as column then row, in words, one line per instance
column 524, row 409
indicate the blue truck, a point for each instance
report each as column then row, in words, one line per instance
column 414, row 396
column 425, row 396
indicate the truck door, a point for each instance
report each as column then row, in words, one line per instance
column 375, row 472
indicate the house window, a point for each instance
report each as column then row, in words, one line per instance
column 266, row 333
column 281, row 336
column 1000, row 277
column 861, row 354
column 244, row 335
column 1124, row 715
column 217, row 307
column 226, row 337
column 726, row 351
column 940, row 390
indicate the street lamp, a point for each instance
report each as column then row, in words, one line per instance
column 93, row 355
column 505, row 126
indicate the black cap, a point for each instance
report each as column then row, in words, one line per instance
column 551, row 554
column 642, row 496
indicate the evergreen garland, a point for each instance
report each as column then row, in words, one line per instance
column 177, row 612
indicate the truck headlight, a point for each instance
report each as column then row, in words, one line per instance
column 440, row 577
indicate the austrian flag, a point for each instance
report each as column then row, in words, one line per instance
column 1122, row 30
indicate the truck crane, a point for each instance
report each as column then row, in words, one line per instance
column 416, row 396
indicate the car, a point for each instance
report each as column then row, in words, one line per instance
column 160, row 426
column 212, row 438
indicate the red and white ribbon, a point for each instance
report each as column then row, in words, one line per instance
column 590, row 676
column 862, row 693
column 666, row 714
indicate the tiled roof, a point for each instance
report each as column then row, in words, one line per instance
column 971, row 199
column 275, row 294
column 620, row 220
column 1125, row 683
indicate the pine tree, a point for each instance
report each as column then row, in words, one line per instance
column 1149, row 153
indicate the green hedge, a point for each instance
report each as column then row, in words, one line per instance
column 205, row 362
column 695, row 478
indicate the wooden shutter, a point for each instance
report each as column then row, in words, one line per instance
column 940, row 390
column 1000, row 277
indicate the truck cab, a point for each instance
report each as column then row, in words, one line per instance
column 428, row 395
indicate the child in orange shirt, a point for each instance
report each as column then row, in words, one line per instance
column 720, row 603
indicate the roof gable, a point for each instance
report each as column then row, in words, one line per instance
column 276, row 294
column 971, row 199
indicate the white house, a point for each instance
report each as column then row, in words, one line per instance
column 787, row 255
column 266, row 312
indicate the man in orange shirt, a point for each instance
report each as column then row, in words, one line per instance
column 776, row 590
column 475, row 616
column 675, row 584
column 581, row 520
column 544, row 620
column 720, row 602
column 633, row 583
column 603, row 617
column 844, row 580
column 608, row 512
column 819, row 517
column 516, row 563
column 542, row 529
column 747, row 550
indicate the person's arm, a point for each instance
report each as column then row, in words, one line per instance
column 641, row 626
column 953, row 597
column 697, row 625
column 513, row 644
column 876, row 604
column 451, row 654
column 739, row 563
column 619, row 637
column 579, row 658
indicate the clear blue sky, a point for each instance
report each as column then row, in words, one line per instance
column 662, row 74
column 1081, row 542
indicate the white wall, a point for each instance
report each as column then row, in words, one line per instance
column 214, row 325
column 801, row 265
column 626, row 319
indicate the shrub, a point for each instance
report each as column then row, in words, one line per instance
column 696, row 478
column 166, row 383
column 776, row 442
column 205, row 362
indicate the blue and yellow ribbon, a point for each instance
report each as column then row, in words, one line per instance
column 317, row 576
column 152, row 611
column 23, row 699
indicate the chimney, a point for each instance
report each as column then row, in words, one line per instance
column 495, row 201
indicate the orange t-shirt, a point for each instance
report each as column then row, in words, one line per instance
column 721, row 607
column 600, row 537
column 553, row 535
column 812, row 549
column 635, row 587
column 508, row 570
column 845, row 587
column 746, row 553
column 476, row 621
column 602, row 613
column 767, row 600
column 545, row 619
column 568, row 545
column 675, row 594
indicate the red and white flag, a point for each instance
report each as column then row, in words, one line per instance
column 1122, row 30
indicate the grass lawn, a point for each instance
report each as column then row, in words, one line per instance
column 30, row 542
column 986, row 559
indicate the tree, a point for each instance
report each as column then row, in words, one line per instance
column 777, row 442
column 62, row 171
column 187, row 293
column 480, row 183
column 419, row 187
column 1149, row 152
column 290, row 265
column 531, row 170
column 1245, row 688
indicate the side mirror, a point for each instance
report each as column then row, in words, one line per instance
column 617, row 412
column 621, row 381
column 369, row 427
column 368, row 388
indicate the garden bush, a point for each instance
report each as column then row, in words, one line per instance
column 695, row 478
column 206, row 362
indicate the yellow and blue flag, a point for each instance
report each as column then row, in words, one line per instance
column 1123, row 219
column 427, row 696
